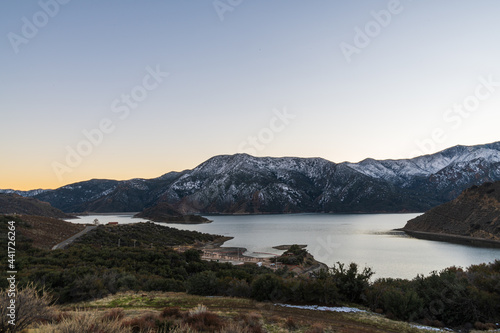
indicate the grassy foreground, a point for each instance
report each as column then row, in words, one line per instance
column 233, row 314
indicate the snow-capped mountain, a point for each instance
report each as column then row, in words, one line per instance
column 246, row 184
column 27, row 194
column 403, row 172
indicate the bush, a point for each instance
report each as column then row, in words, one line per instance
column 31, row 306
column 293, row 256
column 204, row 283
column 267, row 287
column 192, row 255
column 234, row 287
column 204, row 321
column 146, row 322
column 397, row 298
column 452, row 297
column 251, row 322
column 447, row 297
column 173, row 312
column 317, row 290
column 351, row 284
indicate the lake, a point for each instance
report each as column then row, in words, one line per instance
column 365, row 239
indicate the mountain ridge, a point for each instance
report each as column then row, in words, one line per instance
column 244, row 184
column 12, row 203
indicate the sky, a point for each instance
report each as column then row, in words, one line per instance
column 135, row 89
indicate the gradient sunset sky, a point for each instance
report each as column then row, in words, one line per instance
column 141, row 88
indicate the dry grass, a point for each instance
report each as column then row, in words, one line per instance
column 200, row 308
column 181, row 312
column 316, row 328
column 204, row 321
column 290, row 324
column 31, row 306
column 85, row 322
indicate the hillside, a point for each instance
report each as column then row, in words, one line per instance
column 16, row 204
column 475, row 213
column 142, row 235
column 164, row 212
column 244, row 184
column 41, row 232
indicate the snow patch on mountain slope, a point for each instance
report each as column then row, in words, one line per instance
column 402, row 171
column 29, row 193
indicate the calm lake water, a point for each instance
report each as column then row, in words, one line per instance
column 365, row 239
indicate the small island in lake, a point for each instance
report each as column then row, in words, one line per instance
column 164, row 212
column 287, row 247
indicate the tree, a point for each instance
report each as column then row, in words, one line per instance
column 351, row 283
column 267, row 287
column 204, row 283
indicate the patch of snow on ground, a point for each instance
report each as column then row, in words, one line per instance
column 322, row 308
column 430, row 328
column 352, row 310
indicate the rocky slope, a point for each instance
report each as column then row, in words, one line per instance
column 243, row 184
column 475, row 213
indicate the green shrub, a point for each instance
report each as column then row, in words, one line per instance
column 204, row 283
column 351, row 283
column 234, row 287
column 293, row 256
column 267, row 287
column 397, row 298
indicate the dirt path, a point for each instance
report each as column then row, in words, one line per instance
column 70, row 240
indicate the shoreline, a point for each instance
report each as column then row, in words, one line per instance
column 287, row 247
column 450, row 238
column 235, row 255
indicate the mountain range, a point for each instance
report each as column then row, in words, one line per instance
column 244, row 184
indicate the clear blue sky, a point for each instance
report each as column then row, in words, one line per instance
column 272, row 78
